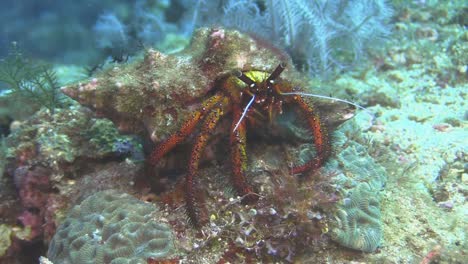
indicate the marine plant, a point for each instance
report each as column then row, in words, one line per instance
column 30, row 83
column 320, row 36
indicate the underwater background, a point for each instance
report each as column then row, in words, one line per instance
column 91, row 92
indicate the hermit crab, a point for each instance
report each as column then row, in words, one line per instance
column 223, row 75
column 251, row 98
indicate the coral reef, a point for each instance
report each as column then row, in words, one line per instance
column 45, row 157
column 319, row 35
column 58, row 140
column 34, row 188
column 416, row 89
column 112, row 227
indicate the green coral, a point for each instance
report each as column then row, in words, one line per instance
column 102, row 135
column 57, row 146
column 54, row 135
column 111, row 227
column 65, row 136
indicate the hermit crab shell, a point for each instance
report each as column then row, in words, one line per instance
column 154, row 95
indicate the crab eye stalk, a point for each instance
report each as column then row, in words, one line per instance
column 279, row 69
column 245, row 79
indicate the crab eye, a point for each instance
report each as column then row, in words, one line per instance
column 245, row 79
column 279, row 69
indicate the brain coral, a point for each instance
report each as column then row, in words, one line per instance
column 111, row 227
column 358, row 223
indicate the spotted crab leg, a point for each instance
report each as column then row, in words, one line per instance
column 187, row 128
column 207, row 129
column 239, row 156
column 321, row 137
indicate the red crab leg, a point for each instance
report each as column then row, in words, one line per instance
column 208, row 127
column 187, row 128
column 239, row 157
column 321, row 137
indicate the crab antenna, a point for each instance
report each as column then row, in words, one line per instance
column 245, row 79
column 244, row 113
column 331, row 98
column 279, row 69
